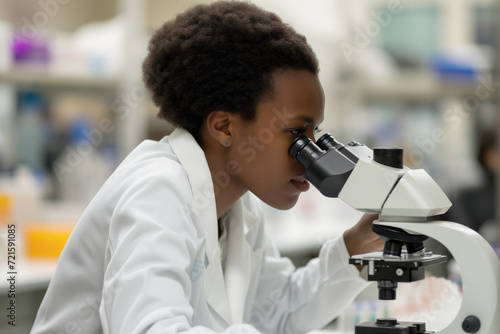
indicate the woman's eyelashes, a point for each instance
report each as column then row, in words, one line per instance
column 297, row 132
column 300, row 131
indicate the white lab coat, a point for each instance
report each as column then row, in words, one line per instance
column 145, row 258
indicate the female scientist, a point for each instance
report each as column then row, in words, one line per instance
column 174, row 242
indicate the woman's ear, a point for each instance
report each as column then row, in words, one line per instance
column 219, row 127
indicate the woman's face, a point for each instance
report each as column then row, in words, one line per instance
column 260, row 148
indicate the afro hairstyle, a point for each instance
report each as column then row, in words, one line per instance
column 220, row 56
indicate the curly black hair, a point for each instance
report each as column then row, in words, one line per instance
column 220, row 56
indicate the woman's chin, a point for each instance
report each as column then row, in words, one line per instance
column 283, row 204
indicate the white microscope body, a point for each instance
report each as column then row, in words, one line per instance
column 408, row 202
column 405, row 198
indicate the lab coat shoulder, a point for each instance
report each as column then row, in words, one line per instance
column 153, row 243
column 156, row 193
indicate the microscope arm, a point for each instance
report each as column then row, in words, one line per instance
column 480, row 271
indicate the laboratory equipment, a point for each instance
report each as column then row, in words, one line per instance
column 409, row 203
column 29, row 136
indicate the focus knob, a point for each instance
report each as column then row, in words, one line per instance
column 471, row 324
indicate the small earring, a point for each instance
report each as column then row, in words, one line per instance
column 226, row 143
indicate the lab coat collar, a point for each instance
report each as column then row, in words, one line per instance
column 225, row 295
column 241, row 260
column 192, row 158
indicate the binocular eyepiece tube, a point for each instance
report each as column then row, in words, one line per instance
column 304, row 151
column 327, row 167
column 327, row 142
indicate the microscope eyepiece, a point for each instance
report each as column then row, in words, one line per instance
column 304, row 151
column 327, row 142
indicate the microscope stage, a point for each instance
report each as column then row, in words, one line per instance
column 404, row 268
column 407, row 260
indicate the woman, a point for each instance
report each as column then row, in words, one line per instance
column 174, row 242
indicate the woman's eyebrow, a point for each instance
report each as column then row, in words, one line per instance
column 304, row 118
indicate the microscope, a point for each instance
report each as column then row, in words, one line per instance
column 409, row 203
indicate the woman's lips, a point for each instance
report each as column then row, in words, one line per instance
column 301, row 184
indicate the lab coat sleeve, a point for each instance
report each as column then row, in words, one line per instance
column 152, row 242
column 291, row 300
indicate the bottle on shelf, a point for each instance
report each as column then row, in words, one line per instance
column 81, row 169
column 20, row 204
column 7, row 113
column 29, row 134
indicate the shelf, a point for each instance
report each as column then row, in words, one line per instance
column 45, row 78
column 413, row 87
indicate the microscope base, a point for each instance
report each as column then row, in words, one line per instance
column 391, row 326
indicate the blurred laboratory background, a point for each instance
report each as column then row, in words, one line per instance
column 421, row 75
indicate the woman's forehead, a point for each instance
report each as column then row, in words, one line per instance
column 298, row 96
